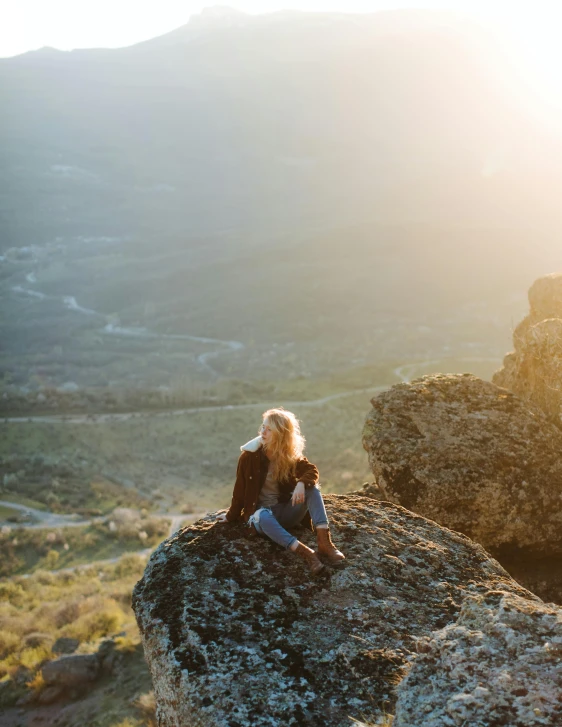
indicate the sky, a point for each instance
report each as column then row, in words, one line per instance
column 531, row 28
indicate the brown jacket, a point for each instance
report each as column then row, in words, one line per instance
column 250, row 478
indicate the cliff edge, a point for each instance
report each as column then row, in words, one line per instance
column 472, row 456
column 534, row 369
column 237, row 633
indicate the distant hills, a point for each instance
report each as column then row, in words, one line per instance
column 361, row 187
column 285, row 121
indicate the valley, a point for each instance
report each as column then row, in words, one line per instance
column 296, row 210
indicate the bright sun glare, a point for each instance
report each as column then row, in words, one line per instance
column 537, row 52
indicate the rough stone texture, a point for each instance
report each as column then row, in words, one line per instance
column 51, row 694
column 110, row 660
column 499, row 664
column 545, row 296
column 65, row 645
column 534, row 369
column 540, row 575
column 72, row 671
column 471, row 456
column 236, row 633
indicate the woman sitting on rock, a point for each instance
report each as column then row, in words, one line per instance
column 276, row 486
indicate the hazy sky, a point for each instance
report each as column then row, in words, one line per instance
column 534, row 26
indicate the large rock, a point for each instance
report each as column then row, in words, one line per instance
column 499, row 664
column 65, row 645
column 236, row 633
column 471, row 456
column 534, row 369
column 545, row 297
column 72, row 671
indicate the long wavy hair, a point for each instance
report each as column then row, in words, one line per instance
column 287, row 443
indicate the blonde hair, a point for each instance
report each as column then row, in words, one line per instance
column 287, row 443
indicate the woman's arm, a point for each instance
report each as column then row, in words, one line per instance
column 307, row 476
column 307, row 473
column 237, row 504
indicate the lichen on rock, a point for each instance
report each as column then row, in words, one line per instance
column 499, row 664
column 472, row 456
column 237, row 633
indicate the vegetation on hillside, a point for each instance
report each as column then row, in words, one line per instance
column 88, row 604
column 26, row 550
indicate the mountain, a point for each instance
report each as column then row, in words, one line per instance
column 279, row 120
column 384, row 183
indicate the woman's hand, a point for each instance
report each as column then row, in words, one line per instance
column 298, row 494
column 221, row 517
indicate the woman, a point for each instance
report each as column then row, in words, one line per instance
column 276, row 487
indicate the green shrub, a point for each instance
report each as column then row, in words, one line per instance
column 38, row 638
column 52, row 559
column 92, row 626
column 45, row 578
column 129, row 565
column 13, row 593
column 9, row 641
column 69, row 612
column 33, row 657
column 155, row 527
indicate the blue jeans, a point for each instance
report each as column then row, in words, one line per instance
column 272, row 521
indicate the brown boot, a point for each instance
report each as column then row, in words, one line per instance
column 327, row 551
column 309, row 556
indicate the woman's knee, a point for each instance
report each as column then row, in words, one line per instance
column 265, row 515
column 257, row 518
column 313, row 491
column 263, row 518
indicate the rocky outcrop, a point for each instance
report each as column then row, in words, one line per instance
column 236, row 632
column 534, row 369
column 72, row 671
column 69, row 676
column 499, row 664
column 471, row 456
column 65, row 645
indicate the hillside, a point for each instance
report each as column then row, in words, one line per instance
column 282, row 122
column 175, row 210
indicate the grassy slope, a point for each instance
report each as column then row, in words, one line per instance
column 87, row 604
column 29, row 550
column 192, row 459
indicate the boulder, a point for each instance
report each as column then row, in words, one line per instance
column 110, row 659
column 545, row 297
column 499, row 664
column 237, row 633
column 471, row 456
column 65, row 645
column 534, row 369
column 72, row 671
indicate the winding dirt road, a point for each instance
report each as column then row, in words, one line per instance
column 125, row 416
column 44, row 518
column 404, row 373
column 111, row 329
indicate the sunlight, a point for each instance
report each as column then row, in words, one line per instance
column 532, row 41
